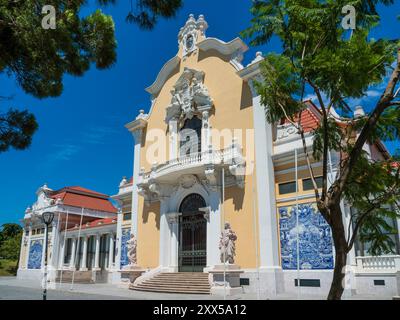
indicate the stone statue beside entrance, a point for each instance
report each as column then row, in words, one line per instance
column 224, row 278
column 131, row 245
column 227, row 244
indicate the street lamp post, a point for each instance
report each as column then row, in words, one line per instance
column 47, row 218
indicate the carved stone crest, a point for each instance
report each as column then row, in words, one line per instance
column 187, row 181
column 189, row 97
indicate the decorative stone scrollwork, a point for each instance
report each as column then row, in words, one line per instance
column 188, row 35
column 131, row 246
column 206, row 214
column 189, row 97
column 187, row 181
column 286, row 131
column 172, row 217
column 211, row 176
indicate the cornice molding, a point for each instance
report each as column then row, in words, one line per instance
column 163, row 75
column 225, row 48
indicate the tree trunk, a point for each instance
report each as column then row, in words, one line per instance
column 339, row 240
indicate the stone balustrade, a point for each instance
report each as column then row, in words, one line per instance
column 378, row 263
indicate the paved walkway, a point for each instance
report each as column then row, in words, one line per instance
column 14, row 289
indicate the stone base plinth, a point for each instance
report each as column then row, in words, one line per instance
column 129, row 274
column 225, row 279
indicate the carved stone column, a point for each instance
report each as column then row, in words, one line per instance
column 83, row 266
column 173, row 221
column 97, row 253
column 173, row 138
column 73, row 249
column 205, row 131
column 111, row 251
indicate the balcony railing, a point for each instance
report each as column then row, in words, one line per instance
column 378, row 263
column 230, row 155
column 163, row 176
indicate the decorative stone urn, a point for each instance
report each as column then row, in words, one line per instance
column 224, row 278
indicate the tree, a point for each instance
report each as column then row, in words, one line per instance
column 147, row 12
column 9, row 248
column 38, row 58
column 9, row 230
column 320, row 57
column 16, row 129
column 10, row 241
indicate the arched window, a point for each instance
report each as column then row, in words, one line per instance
column 190, row 137
column 192, row 203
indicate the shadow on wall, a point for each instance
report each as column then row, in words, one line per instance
column 152, row 210
column 247, row 97
column 237, row 196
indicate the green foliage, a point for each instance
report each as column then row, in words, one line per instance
column 16, row 129
column 10, row 247
column 374, row 187
column 335, row 137
column 39, row 58
column 10, row 241
column 147, row 12
column 320, row 57
column 280, row 83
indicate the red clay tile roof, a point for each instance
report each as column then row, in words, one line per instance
column 309, row 117
column 81, row 197
column 95, row 223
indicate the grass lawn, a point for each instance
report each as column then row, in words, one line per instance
column 8, row 267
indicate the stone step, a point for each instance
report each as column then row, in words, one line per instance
column 185, row 282
column 153, row 283
column 171, row 290
column 182, row 277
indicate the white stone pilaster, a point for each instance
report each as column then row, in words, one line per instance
column 173, row 138
column 111, row 251
column 61, row 255
column 205, row 131
column 213, row 229
column 28, row 248
column 137, row 134
column 265, row 181
column 118, row 241
column 97, row 253
column 173, row 220
column 83, row 266
column 52, row 262
column 164, row 234
column 73, row 252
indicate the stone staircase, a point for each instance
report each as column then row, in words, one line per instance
column 178, row 282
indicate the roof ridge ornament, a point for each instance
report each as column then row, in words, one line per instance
column 189, row 34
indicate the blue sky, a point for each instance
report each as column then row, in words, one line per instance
column 81, row 139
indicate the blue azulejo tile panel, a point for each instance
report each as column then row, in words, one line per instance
column 35, row 254
column 315, row 239
column 126, row 234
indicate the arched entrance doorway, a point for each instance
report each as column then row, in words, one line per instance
column 192, row 235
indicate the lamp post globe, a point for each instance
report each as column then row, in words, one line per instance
column 47, row 217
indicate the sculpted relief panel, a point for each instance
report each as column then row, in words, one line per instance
column 189, row 96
